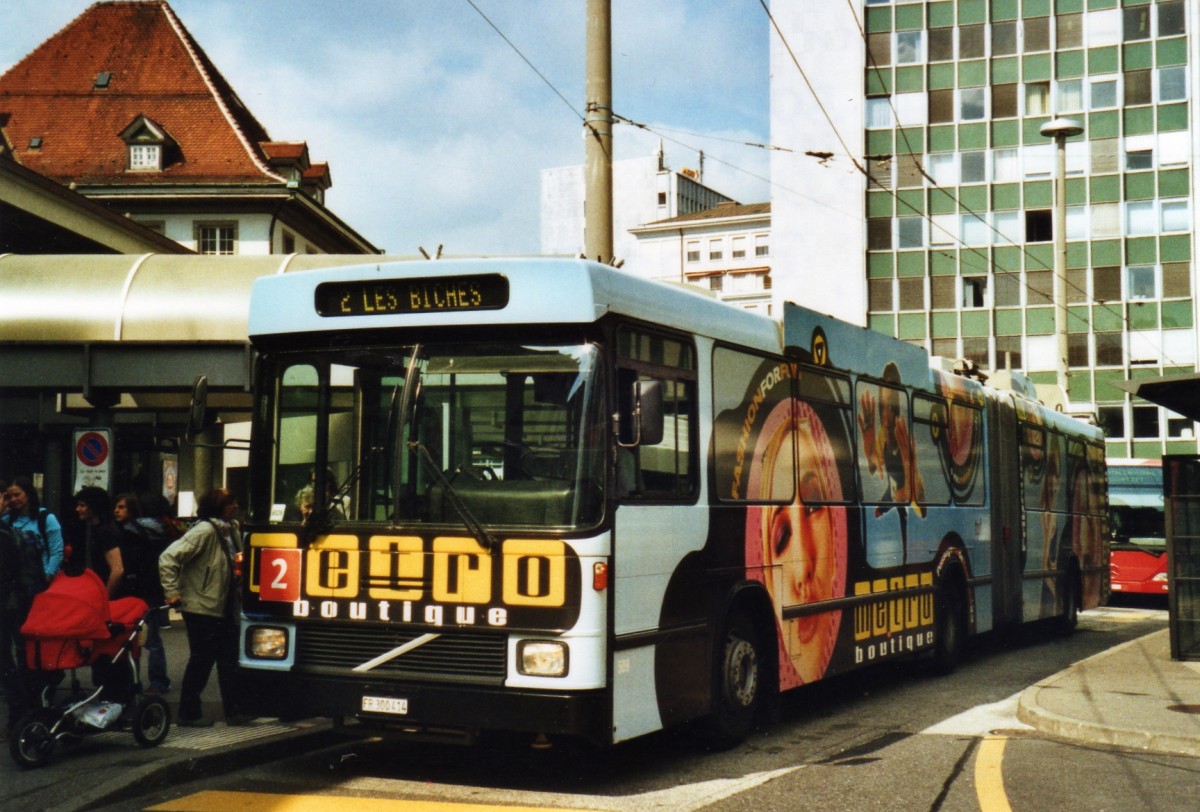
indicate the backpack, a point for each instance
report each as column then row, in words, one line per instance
column 142, row 542
column 32, row 551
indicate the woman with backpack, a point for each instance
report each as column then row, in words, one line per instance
column 141, row 543
column 35, row 524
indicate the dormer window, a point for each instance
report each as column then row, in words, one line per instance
column 102, row 80
column 147, row 144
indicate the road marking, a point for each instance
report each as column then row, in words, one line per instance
column 982, row 720
column 989, row 779
column 213, row 801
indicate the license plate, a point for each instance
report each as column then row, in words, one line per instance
column 385, row 704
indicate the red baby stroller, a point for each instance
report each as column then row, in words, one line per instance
column 72, row 624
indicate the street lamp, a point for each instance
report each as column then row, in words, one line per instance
column 1060, row 129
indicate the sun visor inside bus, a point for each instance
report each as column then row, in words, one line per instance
column 1135, row 499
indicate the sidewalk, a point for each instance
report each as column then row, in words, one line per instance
column 1133, row 695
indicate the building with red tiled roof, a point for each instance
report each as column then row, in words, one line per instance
column 125, row 107
column 725, row 249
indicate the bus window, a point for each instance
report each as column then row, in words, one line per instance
column 754, row 456
column 930, row 438
column 885, row 444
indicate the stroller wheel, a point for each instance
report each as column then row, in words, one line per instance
column 31, row 743
column 151, row 720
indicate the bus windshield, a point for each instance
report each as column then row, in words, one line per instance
column 1136, row 507
column 491, row 435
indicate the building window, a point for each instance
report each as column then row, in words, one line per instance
column 942, row 169
column 1068, row 30
column 941, row 106
column 1145, row 418
column 1176, row 280
column 693, row 251
column 912, row 294
column 974, row 291
column 909, row 47
column 1004, row 38
column 1180, row 428
column 910, row 232
column 1070, row 95
column 716, row 282
column 974, row 229
column 216, row 238
column 879, row 113
column 974, row 167
column 1006, row 165
column 1077, row 350
column 879, row 48
column 1039, row 288
column 1172, row 84
column 761, row 247
column 1106, row 284
column 1138, row 158
column 1135, row 23
column 1039, row 225
column 739, row 248
column 941, row 292
column 879, row 293
column 1077, row 222
column 1175, row 215
column 1139, row 218
column 715, row 250
column 1008, row 352
column 1007, row 226
column 971, row 104
column 1037, row 34
column 289, row 243
column 1140, row 282
column 1170, row 19
column 1103, row 93
column 662, row 198
column 1112, row 421
column 766, row 285
column 1138, row 86
column 879, row 234
column 941, row 44
column 976, row 349
column 971, row 41
column 1109, row 350
column 1004, row 101
column 1007, row 291
column 146, row 157
column 1037, row 98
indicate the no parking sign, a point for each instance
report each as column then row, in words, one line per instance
column 93, row 457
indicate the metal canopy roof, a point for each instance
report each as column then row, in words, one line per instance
column 1179, row 393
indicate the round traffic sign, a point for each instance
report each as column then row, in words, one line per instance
column 92, row 448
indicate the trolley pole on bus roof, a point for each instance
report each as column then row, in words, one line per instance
column 598, row 133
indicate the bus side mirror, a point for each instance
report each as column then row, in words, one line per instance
column 648, row 410
column 198, row 412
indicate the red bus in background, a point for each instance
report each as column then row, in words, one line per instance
column 1139, row 543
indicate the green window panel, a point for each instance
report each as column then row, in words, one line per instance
column 1139, row 186
column 1094, row 5
column 943, row 262
column 1076, row 191
column 1104, row 125
column 1106, row 252
column 942, row 201
column 1077, row 255
column 1172, row 117
column 1181, row 447
column 1006, row 133
column 1139, row 55
column 879, row 81
column 972, row 136
column 1079, row 386
column 1068, row 6
column 975, row 322
column 878, row 20
column 1039, row 321
column 879, row 142
column 1146, row 450
column 941, row 15
column 1141, row 250
column 885, row 323
column 1035, row 8
column 911, row 201
column 881, row 264
column 971, row 11
column 1007, row 258
column 1176, row 314
column 1009, row 322
column 910, row 79
column 1006, row 196
column 941, row 76
column 1175, row 248
column 1043, row 377
column 944, row 325
column 1107, row 317
column 1077, row 318
column 1103, row 60
column 910, row 18
column 972, row 73
column 910, row 264
column 1172, row 51
column 973, row 198
column 879, row 204
column 1069, row 64
column 1105, row 188
column 1173, row 183
column 1143, row 315
column 1106, row 384
column 1035, row 68
column 910, row 326
column 943, row 138
column 1039, row 256
column 1139, row 120
column 1031, row 130
column 911, row 140
column 1004, row 9
column 1005, row 69
column 1039, row 194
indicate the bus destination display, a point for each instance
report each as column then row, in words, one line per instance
column 425, row 295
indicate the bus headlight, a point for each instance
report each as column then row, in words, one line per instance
column 542, row 658
column 267, row 642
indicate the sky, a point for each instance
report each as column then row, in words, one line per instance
column 436, row 129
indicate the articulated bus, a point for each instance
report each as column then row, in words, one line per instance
column 548, row 497
column 1137, row 526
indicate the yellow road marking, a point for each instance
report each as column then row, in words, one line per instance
column 989, row 780
column 213, row 801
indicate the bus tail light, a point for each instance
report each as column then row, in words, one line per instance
column 542, row 658
column 267, row 642
column 600, row 576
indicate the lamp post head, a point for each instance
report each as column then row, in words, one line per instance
column 1061, row 128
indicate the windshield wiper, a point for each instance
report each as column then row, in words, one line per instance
column 475, row 527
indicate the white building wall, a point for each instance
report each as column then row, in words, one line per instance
column 818, row 239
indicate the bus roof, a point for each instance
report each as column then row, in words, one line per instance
column 535, row 290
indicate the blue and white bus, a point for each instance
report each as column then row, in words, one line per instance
column 547, row 496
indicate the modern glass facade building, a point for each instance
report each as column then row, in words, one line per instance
column 956, row 183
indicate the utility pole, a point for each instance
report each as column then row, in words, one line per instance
column 598, row 132
column 1060, row 129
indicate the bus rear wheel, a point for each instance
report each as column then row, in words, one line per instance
column 739, row 686
column 951, row 625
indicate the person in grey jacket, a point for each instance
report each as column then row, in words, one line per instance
column 197, row 573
